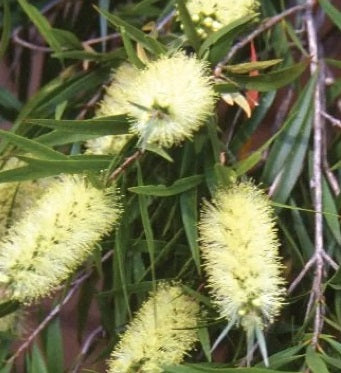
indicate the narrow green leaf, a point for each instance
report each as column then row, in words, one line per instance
column 189, row 26
column 329, row 205
column 118, row 54
column 314, row 361
column 147, row 225
column 283, row 357
column 32, row 146
column 244, row 68
column 6, row 28
column 332, row 361
column 159, row 151
column 8, row 100
column 148, row 42
column 189, row 215
column 131, row 52
column 54, row 348
column 247, row 164
column 335, row 281
column 37, row 363
column 67, row 39
column 294, row 163
column 76, row 164
column 115, row 125
column 179, row 186
column 38, row 168
column 282, row 148
column 333, row 13
column 335, row 63
column 270, row 81
column 228, row 32
column 41, row 23
column 85, row 298
column 57, row 137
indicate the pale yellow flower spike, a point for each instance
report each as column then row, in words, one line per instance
column 162, row 332
column 170, row 100
column 211, row 15
column 15, row 198
column 114, row 103
column 54, row 237
column 240, row 248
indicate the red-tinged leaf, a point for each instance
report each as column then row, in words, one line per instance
column 253, row 95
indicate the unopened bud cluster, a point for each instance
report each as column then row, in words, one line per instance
column 211, row 15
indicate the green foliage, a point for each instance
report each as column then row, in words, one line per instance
column 48, row 113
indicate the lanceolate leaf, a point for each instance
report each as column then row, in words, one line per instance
column 116, row 125
column 178, row 187
column 269, row 81
column 333, row 13
column 226, row 33
column 31, row 146
column 148, row 42
column 283, row 146
column 188, row 24
column 42, row 24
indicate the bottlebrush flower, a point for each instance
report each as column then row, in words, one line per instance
column 54, row 237
column 114, row 103
column 169, row 100
column 240, row 247
column 15, row 198
column 161, row 333
column 211, row 15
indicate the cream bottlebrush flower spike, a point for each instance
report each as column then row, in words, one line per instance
column 212, row 15
column 15, row 198
column 161, row 333
column 114, row 103
column 169, row 100
column 240, row 247
column 54, row 237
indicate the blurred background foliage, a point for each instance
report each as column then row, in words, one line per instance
column 56, row 58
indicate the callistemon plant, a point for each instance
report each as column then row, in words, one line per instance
column 239, row 245
column 54, row 237
column 162, row 332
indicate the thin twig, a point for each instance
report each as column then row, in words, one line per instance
column 163, row 22
column 56, row 310
column 301, row 275
column 317, row 290
column 128, row 161
column 88, row 105
column 331, row 262
column 268, row 23
column 334, row 121
column 18, row 40
column 333, row 182
column 86, row 347
column 113, row 36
